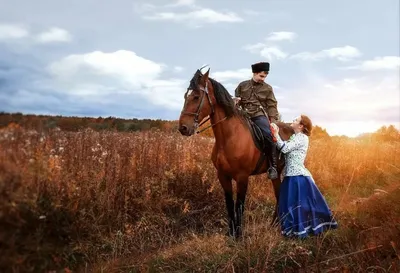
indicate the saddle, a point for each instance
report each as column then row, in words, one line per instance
column 257, row 135
column 259, row 141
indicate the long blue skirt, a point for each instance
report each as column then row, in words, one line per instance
column 302, row 209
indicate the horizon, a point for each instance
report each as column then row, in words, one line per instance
column 134, row 60
column 363, row 134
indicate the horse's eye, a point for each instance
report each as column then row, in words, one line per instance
column 196, row 97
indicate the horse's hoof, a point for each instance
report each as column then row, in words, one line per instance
column 238, row 234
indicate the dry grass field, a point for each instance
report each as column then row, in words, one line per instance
column 150, row 202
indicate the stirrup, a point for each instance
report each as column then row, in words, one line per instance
column 272, row 173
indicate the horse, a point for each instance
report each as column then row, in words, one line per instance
column 238, row 149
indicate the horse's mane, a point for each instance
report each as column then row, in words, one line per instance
column 222, row 96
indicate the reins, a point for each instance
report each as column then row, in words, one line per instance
column 209, row 126
column 196, row 114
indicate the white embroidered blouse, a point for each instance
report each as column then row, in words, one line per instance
column 295, row 151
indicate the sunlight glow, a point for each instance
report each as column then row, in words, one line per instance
column 353, row 128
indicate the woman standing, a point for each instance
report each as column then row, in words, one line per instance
column 302, row 209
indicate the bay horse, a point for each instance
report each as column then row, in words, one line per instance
column 238, row 150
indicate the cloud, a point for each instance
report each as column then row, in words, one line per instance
column 12, row 31
column 282, row 36
column 182, row 3
column 254, row 48
column 269, row 49
column 348, row 106
column 121, row 72
column 194, row 15
column 119, row 83
column 166, row 93
column 379, row 63
column 344, row 53
column 229, row 75
column 122, row 64
column 273, row 52
column 54, row 34
column 178, row 69
column 46, row 101
column 200, row 15
column 268, row 52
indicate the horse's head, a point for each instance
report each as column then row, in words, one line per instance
column 198, row 103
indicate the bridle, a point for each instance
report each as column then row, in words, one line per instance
column 197, row 113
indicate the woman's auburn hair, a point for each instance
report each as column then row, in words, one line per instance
column 307, row 124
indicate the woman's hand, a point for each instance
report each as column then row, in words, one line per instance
column 276, row 129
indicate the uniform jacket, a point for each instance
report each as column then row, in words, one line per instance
column 253, row 95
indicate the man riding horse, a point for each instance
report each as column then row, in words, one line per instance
column 257, row 98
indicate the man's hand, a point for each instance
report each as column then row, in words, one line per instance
column 237, row 100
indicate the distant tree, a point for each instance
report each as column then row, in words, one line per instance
column 133, row 127
column 120, row 126
column 318, row 133
column 389, row 133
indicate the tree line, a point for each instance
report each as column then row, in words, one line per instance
column 73, row 123
column 66, row 123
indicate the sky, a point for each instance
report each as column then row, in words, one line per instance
column 335, row 61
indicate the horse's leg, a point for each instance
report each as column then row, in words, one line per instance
column 226, row 183
column 276, row 183
column 240, row 202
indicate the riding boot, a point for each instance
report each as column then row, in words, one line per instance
column 272, row 171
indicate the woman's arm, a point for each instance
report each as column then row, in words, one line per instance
column 294, row 143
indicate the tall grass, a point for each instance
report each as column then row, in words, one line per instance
column 150, row 201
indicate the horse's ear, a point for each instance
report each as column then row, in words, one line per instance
column 204, row 78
